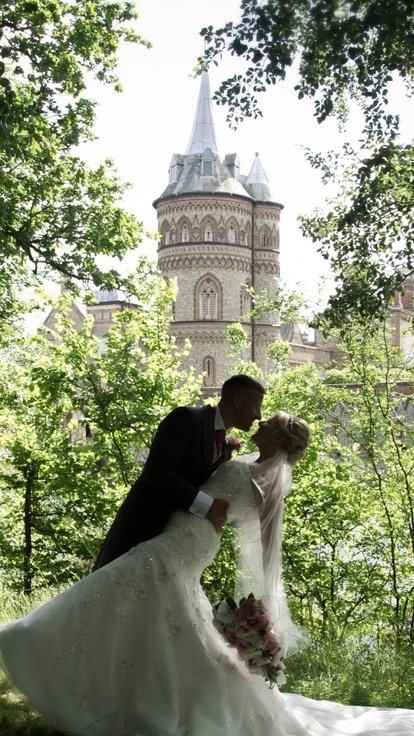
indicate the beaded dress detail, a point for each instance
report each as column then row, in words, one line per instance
column 131, row 649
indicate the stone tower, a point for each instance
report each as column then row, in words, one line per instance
column 219, row 239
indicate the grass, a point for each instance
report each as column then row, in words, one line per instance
column 16, row 716
column 352, row 673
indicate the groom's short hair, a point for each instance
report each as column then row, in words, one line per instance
column 240, row 382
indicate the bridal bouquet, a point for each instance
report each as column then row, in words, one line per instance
column 248, row 627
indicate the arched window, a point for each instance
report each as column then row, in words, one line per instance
column 208, row 233
column 265, row 238
column 209, row 370
column 208, row 299
column 102, row 345
column 244, row 237
column 232, row 234
column 245, row 300
column 185, row 233
column 166, row 237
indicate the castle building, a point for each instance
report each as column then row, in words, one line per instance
column 401, row 319
column 220, row 240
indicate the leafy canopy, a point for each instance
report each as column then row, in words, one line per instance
column 346, row 52
column 57, row 216
column 78, row 417
column 346, row 46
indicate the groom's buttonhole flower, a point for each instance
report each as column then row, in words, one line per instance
column 248, row 627
column 234, row 443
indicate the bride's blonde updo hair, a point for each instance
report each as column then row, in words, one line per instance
column 295, row 432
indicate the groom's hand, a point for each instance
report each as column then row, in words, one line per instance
column 217, row 514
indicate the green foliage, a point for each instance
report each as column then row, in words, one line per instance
column 349, row 47
column 57, row 216
column 236, row 338
column 368, row 234
column 336, row 376
column 348, row 52
column 348, row 525
column 248, row 367
column 288, row 305
column 218, row 579
column 17, row 718
column 279, row 352
column 367, row 675
column 77, row 424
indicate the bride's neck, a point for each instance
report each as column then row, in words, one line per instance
column 270, row 449
column 266, row 456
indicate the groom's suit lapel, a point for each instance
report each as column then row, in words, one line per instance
column 210, row 439
column 205, row 416
column 208, row 436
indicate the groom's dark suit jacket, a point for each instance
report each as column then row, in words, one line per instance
column 179, row 462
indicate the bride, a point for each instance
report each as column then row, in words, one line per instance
column 132, row 650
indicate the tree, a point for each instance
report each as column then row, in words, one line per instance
column 76, row 426
column 344, row 51
column 57, row 216
column 381, row 432
column 342, row 48
column 368, row 234
column 348, row 540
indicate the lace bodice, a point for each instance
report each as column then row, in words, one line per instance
column 232, row 482
column 192, row 541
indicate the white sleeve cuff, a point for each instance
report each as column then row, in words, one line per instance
column 201, row 504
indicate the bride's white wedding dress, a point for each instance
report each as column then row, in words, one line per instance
column 131, row 650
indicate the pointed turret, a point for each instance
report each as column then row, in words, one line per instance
column 201, row 168
column 203, row 134
column 218, row 242
column 257, row 183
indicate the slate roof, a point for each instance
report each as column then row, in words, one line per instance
column 202, row 170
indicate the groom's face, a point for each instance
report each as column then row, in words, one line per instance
column 247, row 409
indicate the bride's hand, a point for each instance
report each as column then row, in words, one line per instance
column 217, row 514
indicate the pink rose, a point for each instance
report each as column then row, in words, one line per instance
column 253, row 617
column 247, row 608
column 271, row 644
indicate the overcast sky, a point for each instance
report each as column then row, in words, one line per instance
column 141, row 128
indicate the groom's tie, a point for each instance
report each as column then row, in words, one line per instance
column 220, row 437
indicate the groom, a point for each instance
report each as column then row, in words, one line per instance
column 187, row 448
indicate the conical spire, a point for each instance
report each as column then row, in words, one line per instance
column 203, row 134
column 257, row 183
column 257, row 173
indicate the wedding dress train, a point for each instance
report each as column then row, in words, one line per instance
column 131, row 650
